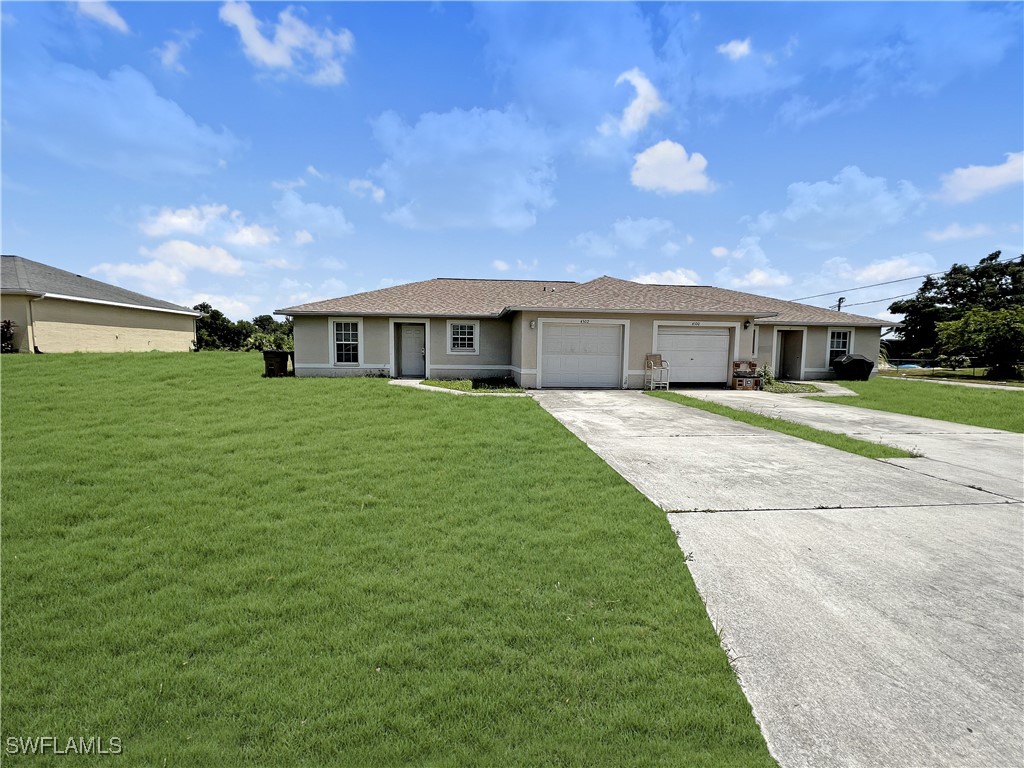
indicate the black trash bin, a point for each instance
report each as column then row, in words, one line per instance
column 853, row 367
column 275, row 362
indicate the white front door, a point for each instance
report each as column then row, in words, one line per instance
column 412, row 360
column 696, row 355
column 581, row 355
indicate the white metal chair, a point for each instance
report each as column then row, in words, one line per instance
column 656, row 372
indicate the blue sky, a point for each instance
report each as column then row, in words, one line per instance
column 262, row 155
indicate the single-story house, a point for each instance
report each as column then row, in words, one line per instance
column 567, row 334
column 58, row 311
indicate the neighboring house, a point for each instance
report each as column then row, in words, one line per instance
column 58, row 311
column 566, row 334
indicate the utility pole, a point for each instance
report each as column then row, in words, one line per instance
column 839, row 305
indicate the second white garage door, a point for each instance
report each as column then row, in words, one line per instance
column 581, row 355
column 696, row 355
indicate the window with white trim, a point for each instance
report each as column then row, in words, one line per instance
column 463, row 337
column 346, row 342
column 838, row 345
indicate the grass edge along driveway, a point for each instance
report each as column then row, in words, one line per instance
column 831, row 439
column 977, row 406
column 229, row 570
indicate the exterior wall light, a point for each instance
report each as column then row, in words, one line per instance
column 533, row 324
column 746, row 324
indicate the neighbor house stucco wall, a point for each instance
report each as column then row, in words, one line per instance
column 75, row 326
column 16, row 308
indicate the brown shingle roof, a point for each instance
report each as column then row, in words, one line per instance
column 442, row 296
column 490, row 298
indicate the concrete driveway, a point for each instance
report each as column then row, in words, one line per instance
column 874, row 611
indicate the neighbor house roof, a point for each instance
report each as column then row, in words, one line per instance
column 451, row 297
column 24, row 276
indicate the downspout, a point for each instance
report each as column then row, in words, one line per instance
column 31, row 331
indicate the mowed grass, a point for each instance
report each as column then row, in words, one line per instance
column 831, row 439
column 994, row 408
column 222, row 569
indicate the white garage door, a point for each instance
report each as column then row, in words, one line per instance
column 695, row 354
column 581, row 355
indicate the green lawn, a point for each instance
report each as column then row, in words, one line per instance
column 222, row 569
column 995, row 408
column 831, row 439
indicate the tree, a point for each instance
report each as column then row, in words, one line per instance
column 215, row 331
column 991, row 285
column 994, row 336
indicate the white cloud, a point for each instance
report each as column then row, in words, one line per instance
column 329, row 262
column 639, row 111
column 466, row 169
column 104, row 14
column 760, row 278
column 595, row 245
column 302, row 237
column 666, row 168
column 312, row 171
column 629, row 233
column 251, row 235
column 896, row 268
column 194, row 220
column 720, row 251
column 366, row 188
column 637, row 233
column 185, row 255
column 235, row 309
column 956, row 232
column 680, row 276
column 170, row 52
column 121, row 124
column 289, row 183
column 965, row 184
column 670, row 249
column 735, row 49
column 524, row 266
column 316, row 218
column 295, row 47
column 852, row 205
column 153, row 277
column 501, row 266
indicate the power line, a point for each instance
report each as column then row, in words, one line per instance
column 879, row 301
column 888, row 282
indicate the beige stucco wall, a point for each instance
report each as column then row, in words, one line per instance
column 75, row 326
column 314, row 348
column 495, row 345
column 16, row 308
column 864, row 341
column 640, row 340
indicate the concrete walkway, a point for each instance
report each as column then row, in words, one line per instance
column 959, row 453
column 886, row 633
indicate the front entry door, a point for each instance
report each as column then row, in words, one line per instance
column 789, row 355
column 412, row 361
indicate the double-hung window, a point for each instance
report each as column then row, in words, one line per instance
column 346, row 342
column 838, row 345
column 463, row 337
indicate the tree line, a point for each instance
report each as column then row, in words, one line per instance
column 975, row 312
column 215, row 331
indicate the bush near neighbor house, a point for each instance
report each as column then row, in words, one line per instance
column 214, row 330
column 995, row 338
column 7, row 337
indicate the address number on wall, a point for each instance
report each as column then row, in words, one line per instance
column 584, row 321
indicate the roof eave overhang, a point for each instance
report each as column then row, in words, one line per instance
column 64, row 297
column 288, row 312
column 840, row 322
column 20, row 292
column 614, row 311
